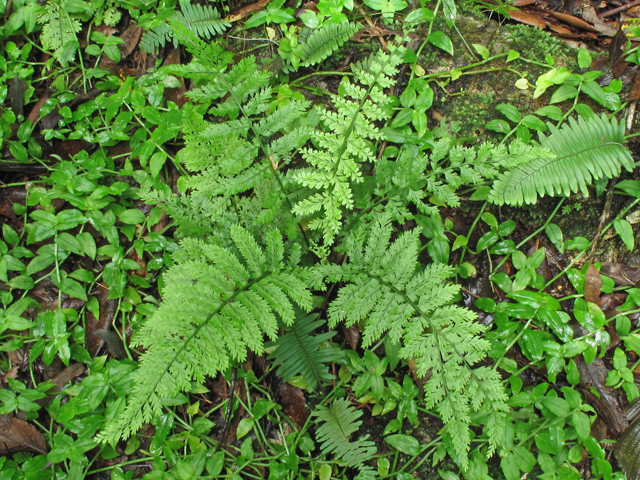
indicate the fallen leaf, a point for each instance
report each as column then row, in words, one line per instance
column 19, row 436
column 131, row 37
column 634, row 96
column 248, row 10
column 592, row 285
column 622, row 275
column 527, row 18
column 352, row 334
column 108, row 309
column 589, row 14
column 575, row 21
column 627, row 449
column 60, row 380
column 293, row 404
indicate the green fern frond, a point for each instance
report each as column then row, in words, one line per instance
column 299, row 353
column 388, row 292
column 326, row 40
column 340, row 420
column 61, row 26
column 577, row 154
column 336, row 162
column 203, row 21
column 217, row 303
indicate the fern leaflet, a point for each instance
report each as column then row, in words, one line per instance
column 340, row 420
column 217, row 303
column 577, row 153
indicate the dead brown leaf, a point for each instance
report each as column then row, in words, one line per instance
column 575, row 21
column 294, row 404
column 634, row 93
column 352, row 334
column 592, row 285
column 108, row 308
column 248, row 10
column 19, row 436
column 622, row 275
column 606, row 29
column 528, row 18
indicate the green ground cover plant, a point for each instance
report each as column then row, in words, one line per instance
column 202, row 256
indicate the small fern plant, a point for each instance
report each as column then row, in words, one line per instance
column 61, row 22
column 335, row 165
column 217, row 303
column 575, row 154
column 203, row 21
column 387, row 292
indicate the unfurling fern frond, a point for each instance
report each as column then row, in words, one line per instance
column 388, row 292
column 217, row 303
column 326, row 40
column 577, row 153
column 203, row 21
column 339, row 421
column 298, row 352
column 346, row 144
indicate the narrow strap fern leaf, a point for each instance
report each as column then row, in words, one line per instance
column 217, row 303
column 326, row 40
column 339, row 421
column 388, row 292
column 299, row 352
column 577, row 154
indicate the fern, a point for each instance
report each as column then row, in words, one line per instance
column 346, row 144
column 217, row 303
column 60, row 26
column 388, row 292
column 326, row 40
column 577, row 153
column 299, row 352
column 203, row 21
column 234, row 157
column 340, row 420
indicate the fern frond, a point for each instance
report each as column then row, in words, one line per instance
column 326, row 40
column 576, row 154
column 217, row 303
column 340, row 420
column 299, row 353
column 389, row 292
column 203, row 21
column 335, row 163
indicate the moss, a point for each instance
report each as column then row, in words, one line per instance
column 535, row 44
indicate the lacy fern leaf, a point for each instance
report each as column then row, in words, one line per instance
column 60, row 26
column 326, row 40
column 346, row 144
column 339, row 421
column 217, row 303
column 388, row 292
column 577, row 153
column 299, row 352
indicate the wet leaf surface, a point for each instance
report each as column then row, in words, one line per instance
column 19, row 436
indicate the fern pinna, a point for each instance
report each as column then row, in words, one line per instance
column 388, row 292
column 586, row 149
column 217, row 303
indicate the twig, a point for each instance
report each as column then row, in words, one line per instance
column 229, row 408
column 622, row 8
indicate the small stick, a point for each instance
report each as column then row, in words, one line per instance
column 622, row 8
column 631, row 115
column 229, row 409
column 605, row 216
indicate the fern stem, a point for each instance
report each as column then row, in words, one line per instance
column 315, row 74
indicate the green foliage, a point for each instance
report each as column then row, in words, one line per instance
column 299, row 352
column 326, row 40
column 339, row 421
column 203, row 21
column 217, row 303
column 577, row 153
column 346, row 144
column 389, row 294
column 61, row 21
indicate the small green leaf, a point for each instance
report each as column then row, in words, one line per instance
column 156, row 163
column 404, row 443
column 584, row 58
column 440, row 40
column 132, row 217
column 510, row 112
column 623, row 227
column 244, row 427
column 565, row 92
column 512, row 55
column 482, row 50
column 73, row 289
column 554, row 233
column 69, row 243
column 498, row 125
column 554, row 113
column 88, row 244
